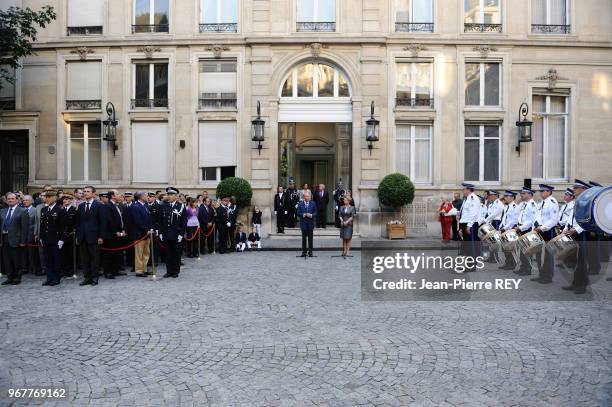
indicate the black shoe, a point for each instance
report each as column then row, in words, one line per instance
column 94, row 282
column 580, row 290
column 174, row 276
column 569, row 287
column 109, row 276
column 516, row 271
column 310, row 255
column 86, row 282
column 182, row 264
column 167, row 275
column 132, row 270
column 120, row 273
column 47, row 283
column 7, row 282
column 141, row 274
column 536, row 279
column 302, row 255
column 53, row 283
column 15, row 282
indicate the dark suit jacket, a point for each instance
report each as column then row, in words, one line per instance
column 206, row 215
column 241, row 237
column 321, row 201
column 18, row 228
column 140, row 220
column 68, row 221
column 222, row 218
column 306, row 224
column 51, row 228
column 281, row 204
column 32, row 223
column 174, row 221
column 114, row 220
column 91, row 225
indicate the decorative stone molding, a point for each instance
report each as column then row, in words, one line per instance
column 485, row 50
column 217, row 49
column 315, row 48
column 552, row 77
column 415, row 49
column 82, row 51
column 149, row 51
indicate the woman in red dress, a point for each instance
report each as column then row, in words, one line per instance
column 446, row 221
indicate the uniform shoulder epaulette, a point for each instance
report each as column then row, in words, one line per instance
column 533, row 203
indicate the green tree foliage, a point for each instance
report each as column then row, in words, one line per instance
column 395, row 190
column 238, row 187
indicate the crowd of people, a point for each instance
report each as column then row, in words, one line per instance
column 461, row 219
column 56, row 232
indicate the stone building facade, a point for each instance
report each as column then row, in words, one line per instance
column 446, row 77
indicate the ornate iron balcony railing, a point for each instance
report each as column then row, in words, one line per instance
column 218, row 101
column 316, row 26
column 219, row 28
column 89, row 30
column 149, row 103
column 7, row 104
column 414, row 102
column 150, row 28
column 476, row 27
column 414, row 27
column 550, row 29
column 84, row 104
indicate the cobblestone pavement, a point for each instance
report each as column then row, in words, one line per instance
column 267, row 329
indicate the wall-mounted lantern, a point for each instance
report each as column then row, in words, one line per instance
column 257, row 129
column 524, row 127
column 110, row 126
column 372, row 129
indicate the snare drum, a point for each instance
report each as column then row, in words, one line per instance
column 561, row 247
column 530, row 243
column 509, row 239
column 484, row 230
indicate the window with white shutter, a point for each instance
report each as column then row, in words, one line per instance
column 218, row 84
column 83, row 85
column 150, row 152
column 550, row 17
column 85, row 18
column 217, row 151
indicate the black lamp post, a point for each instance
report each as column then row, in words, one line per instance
column 524, row 127
column 110, row 126
column 257, row 129
column 372, row 129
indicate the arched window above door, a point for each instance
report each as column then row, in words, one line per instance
column 315, row 80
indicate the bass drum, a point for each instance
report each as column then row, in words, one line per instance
column 593, row 209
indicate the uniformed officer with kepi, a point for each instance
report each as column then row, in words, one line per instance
column 546, row 220
column 172, row 231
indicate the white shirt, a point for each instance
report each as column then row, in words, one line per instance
column 565, row 214
column 494, row 211
column 510, row 216
column 548, row 214
column 527, row 217
column 572, row 223
column 483, row 213
column 470, row 210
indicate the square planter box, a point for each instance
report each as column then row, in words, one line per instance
column 396, row 231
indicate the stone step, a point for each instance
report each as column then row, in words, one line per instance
column 296, row 233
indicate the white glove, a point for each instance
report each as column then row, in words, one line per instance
column 180, row 238
column 285, row 212
column 275, row 212
column 60, row 244
column 229, row 224
column 161, row 238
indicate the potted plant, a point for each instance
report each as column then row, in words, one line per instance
column 396, row 190
column 236, row 187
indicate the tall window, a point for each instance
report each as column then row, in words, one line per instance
column 482, row 15
column 218, row 144
column 550, row 17
column 482, row 84
column 315, row 80
column 414, row 15
column 217, row 83
column 85, row 18
column 83, row 85
column 413, row 152
column 151, row 16
column 7, row 90
column 482, row 152
column 150, row 152
column 316, row 15
column 550, row 114
column 219, row 16
column 150, row 85
column 85, row 152
column 414, row 84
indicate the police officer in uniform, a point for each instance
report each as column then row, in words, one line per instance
column 546, row 220
column 573, row 229
column 155, row 207
column 509, row 219
column 50, row 236
column 68, row 213
column 527, row 217
column 495, row 206
column 468, row 221
column 292, row 200
column 566, row 210
column 173, row 224
column 338, row 201
column 223, row 224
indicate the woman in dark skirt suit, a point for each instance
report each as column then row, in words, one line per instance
column 347, row 213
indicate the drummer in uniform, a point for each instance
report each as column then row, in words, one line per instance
column 566, row 210
column 573, row 229
column 546, row 220
column 468, row 221
column 509, row 220
column 527, row 217
column 495, row 207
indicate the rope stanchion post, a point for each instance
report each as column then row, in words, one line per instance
column 153, row 276
column 199, row 243
column 74, row 265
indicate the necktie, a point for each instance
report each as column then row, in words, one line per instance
column 87, row 207
column 7, row 221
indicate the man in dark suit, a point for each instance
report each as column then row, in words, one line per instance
column 14, row 224
column 50, row 235
column 306, row 213
column 321, row 198
column 90, row 232
column 281, row 209
column 141, row 227
column 206, row 217
column 68, row 214
column 232, row 211
column 31, row 256
column 223, row 224
column 173, row 224
column 115, row 233
column 154, row 206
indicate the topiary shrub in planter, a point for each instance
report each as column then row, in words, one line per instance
column 396, row 190
column 238, row 187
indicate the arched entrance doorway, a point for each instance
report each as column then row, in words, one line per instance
column 315, row 126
